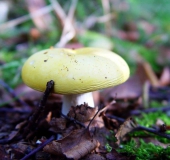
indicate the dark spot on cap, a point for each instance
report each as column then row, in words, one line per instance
column 105, row 77
column 45, row 52
column 45, row 60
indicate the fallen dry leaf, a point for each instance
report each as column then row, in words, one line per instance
column 110, row 123
column 82, row 113
column 124, row 129
column 76, row 145
column 58, row 124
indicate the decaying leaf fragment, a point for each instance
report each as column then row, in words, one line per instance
column 76, row 145
column 82, row 113
column 124, row 129
column 58, row 124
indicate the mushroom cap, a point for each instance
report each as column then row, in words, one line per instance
column 74, row 71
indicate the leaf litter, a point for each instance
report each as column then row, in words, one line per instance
column 84, row 132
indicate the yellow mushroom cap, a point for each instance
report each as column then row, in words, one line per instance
column 75, row 71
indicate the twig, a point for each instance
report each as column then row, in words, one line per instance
column 68, row 31
column 101, row 108
column 41, row 107
column 59, row 11
column 22, row 19
column 106, row 9
column 154, row 131
column 38, row 148
column 73, row 120
column 139, row 127
column 149, row 110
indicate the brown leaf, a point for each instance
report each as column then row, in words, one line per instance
column 82, row 113
column 124, row 129
column 76, row 145
column 100, row 135
column 110, row 123
column 58, row 124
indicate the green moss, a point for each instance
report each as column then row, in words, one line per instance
column 155, row 103
column 150, row 119
column 108, row 147
column 147, row 151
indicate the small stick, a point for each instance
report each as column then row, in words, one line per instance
column 17, row 21
column 73, row 120
column 139, row 127
column 38, row 148
column 33, row 120
column 35, row 116
column 149, row 110
column 100, row 108
column 154, row 131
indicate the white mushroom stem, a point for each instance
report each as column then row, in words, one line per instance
column 76, row 99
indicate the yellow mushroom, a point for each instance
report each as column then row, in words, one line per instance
column 76, row 73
